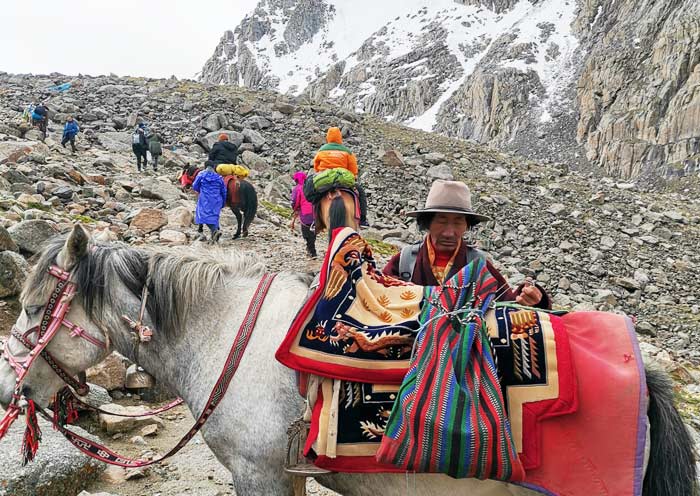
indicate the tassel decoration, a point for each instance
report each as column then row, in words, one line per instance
column 32, row 434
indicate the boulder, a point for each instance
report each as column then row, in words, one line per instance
column 149, row 220
column 113, row 424
column 233, row 136
column 13, row 272
column 59, row 469
column 434, row 157
column 214, row 122
column 393, row 158
column 159, row 190
column 12, row 151
column 441, row 171
column 6, row 242
column 180, row 217
column 257, row 122
column 114, row 141
column 254, row 161
column 109, row 373
column 173, row 237
column 285, row 108
column 254, row 137
column 31, row 235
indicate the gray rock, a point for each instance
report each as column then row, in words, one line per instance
column 57, row 460
column 434, row 157
column 558, row 209
column 233, row 136
column 441, row 171
column 214, row 122
column 6, row 242
column 254, row 161
column 254, row 137
column 13, row 272
column 257, row 122
column 159, row 190
column 31, row 235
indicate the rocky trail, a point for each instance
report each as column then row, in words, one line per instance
column 592, row 241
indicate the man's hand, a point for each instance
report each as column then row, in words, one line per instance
column 529, row 295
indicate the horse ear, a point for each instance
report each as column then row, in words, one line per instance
column 75, row 248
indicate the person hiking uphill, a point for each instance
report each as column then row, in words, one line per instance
column 223, row 151
column 334, row 155
column 139, row 145
column 40, row 118
column 304, row 209
column 212, row 198
column 155, row 141
column 70, row 131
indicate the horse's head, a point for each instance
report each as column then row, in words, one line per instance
column 51, row 317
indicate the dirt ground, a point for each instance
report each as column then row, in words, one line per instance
column 194, row 470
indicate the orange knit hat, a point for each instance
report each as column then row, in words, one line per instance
column 223, row 137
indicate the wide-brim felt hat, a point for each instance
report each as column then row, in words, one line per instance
column 452, row 197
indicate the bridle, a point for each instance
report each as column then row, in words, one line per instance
column 53, row 319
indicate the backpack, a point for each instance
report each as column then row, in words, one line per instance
column 409, row 254
column 138, row 138
column 317, row 184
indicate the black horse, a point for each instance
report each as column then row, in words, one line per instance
column 242, row 199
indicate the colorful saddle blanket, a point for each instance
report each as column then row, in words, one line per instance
column 359, row 325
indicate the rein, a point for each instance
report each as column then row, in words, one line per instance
column 245, row 331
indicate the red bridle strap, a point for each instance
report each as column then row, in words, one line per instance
column 233, row 360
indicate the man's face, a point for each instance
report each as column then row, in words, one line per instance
column 446, row 230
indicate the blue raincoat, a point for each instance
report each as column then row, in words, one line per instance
column 212, row 197
column 70, row 129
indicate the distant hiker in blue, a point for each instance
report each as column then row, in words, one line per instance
column 70, row 130
column 212, row 197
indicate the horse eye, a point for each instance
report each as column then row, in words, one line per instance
column 33, row 310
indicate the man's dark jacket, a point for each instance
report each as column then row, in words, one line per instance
column 224, row 152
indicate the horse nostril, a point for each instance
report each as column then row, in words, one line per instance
column 26, row 391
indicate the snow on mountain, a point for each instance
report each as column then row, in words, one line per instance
column 544, row 78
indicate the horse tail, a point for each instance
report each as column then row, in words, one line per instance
column 671, row 470
column 336, row 215
column 249, row 203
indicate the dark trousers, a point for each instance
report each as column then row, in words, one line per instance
column 140, row 154
column 70, row 140
column 362, row 196
column 155, row 161
column 310, row 238
column 42, row 124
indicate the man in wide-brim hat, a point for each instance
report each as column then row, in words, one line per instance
column 446, row 217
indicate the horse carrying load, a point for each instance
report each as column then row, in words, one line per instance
column 427, row 378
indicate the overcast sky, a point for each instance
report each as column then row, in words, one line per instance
column 156, row 38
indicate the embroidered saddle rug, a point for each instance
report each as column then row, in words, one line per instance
column 577, row 430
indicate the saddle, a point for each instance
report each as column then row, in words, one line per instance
column 233, row 186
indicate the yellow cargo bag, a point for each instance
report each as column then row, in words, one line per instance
column 240, row 171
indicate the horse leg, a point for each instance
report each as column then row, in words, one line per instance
column 239, row 220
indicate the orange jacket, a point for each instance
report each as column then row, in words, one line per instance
column 334, row 154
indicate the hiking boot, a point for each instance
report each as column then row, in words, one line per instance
column 202, row 237
column 215, row 238
column 364, row 224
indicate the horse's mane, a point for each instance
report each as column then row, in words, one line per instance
column 178, row 283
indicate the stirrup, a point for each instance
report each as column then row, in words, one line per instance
column 296, row 463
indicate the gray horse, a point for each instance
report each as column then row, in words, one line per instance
column 195, row 306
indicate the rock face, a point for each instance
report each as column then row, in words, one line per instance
column 31, row 235
column 547, row 79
